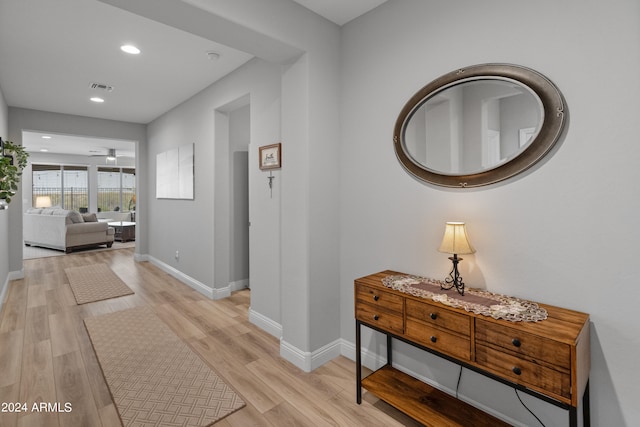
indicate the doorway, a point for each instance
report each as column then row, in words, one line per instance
column 239, row 121
column 77, row 173
column 231, row 198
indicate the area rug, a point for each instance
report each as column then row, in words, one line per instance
column 95, row 282
column 155, row 379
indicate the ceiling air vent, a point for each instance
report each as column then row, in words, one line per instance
column 101, row 86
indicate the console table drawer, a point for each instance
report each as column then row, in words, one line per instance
column 440, row 316
column 376, row 297
column 439, row 339
column 525, row 371
column 377, row 316
column 534, row 347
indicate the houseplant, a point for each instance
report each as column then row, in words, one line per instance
column 13, row 159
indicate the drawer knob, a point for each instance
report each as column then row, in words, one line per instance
column 376, row 317
column 516, row 342
column 434, row 316
column 376, row 297
column 433, row 338
column 516, row 370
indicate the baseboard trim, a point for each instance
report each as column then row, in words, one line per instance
column 308, row 361
column 239, row 284
column 186, row 279
column 265, row 323
column 370, row 359
column 12, row 275
column 215, row 293
column 4, row 292
column 140, row 257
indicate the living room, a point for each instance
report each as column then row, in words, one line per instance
column 342, row 207
column 98, row 177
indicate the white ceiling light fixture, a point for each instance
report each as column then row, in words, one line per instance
column 46, row 137
column 96, row 99
column 213, row 56
column 129, row 48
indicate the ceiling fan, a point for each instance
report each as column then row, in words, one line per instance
column 110, row 156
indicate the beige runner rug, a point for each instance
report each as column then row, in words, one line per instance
column 95, row 282
column 154, row 377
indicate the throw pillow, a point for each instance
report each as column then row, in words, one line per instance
column 90, row 217
column 75, row 217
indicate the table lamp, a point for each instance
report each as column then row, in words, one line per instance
column 43, row 202
column 455, row 241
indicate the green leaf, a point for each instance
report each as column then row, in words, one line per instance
column 10, row 173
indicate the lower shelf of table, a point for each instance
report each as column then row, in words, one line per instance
column 424, row 403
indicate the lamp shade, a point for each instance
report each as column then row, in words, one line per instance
column 455, row 240
column 43, row 202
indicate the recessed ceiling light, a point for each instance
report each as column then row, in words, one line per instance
column 129, row 48
column 44, row 150
column 46, row 137
column 213, row 56
column 96, row 99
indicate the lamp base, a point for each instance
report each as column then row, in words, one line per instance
column 454, row 279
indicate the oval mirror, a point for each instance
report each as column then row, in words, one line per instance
column 479, row 125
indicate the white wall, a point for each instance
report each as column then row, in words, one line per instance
column 189, row 225
column 302, row 214
column 562, row 234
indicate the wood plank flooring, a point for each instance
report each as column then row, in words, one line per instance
column 46, row 355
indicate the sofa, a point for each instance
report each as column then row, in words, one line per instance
column 114, row 216
column 65, row 230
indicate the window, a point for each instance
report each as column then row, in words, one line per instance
column 116, row 189
column 47, row 182
column 129, row 189
column 50, row 181
column 75, row 181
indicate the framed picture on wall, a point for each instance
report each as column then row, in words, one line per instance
column 175, row 173
column 271, row 156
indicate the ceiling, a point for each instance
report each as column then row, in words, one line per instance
column 340, row 11
column 52, row 51
column 76, row 145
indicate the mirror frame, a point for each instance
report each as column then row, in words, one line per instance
column 549, row 133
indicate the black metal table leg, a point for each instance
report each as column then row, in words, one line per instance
column 586, row 410
column 586, row 407
column 573, row 416
column 358, row 365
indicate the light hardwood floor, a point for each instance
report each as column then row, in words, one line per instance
column 46, row 355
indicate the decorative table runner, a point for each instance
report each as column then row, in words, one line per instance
column 474, row 300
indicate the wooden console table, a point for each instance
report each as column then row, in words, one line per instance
column 549, row 359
